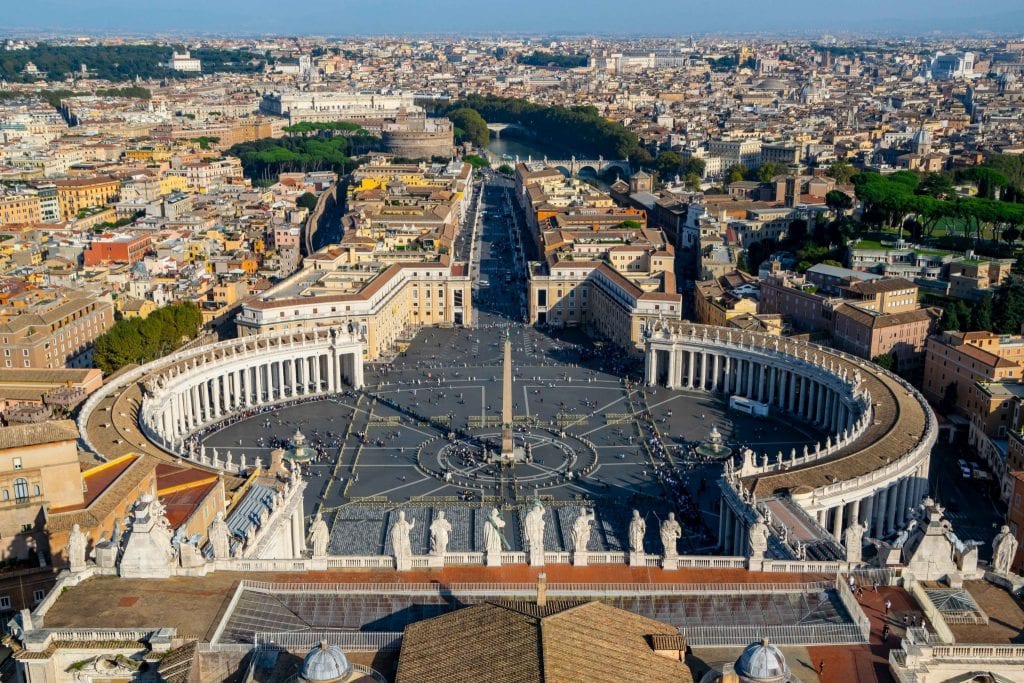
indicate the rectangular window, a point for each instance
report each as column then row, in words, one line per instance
column 38, row 595
column 5, row 602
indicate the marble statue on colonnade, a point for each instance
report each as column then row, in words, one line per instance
column 400, row 544
column 77, row 541
column 440, row 531
column 637, row 529
column 492, row 537
column 1004, row 549
column 219, row 535
column 319, row 536
column 581, row 530
column 534, row 528
column 671, row 532
column 853, row 541
column 758, row 538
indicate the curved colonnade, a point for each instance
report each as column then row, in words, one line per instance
column 196, row 388
column 873, row 465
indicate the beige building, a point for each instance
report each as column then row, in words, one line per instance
column 726, row 297
column 54, row 332
column 869, row 333
column 963, row 358
column 76, row 194
column 39, row 469
column 387, row 307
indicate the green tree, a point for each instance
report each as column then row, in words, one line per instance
column 694, row 165
column 692, row 182
column 667, row 164
column 1008, row 306
column 505, row 169
column 950, row 319
column 937, row 185
column 981, row 313
column 842, row 171
column 307, row 200
column 886, row 361
column 838, row 202
column 476, row 161
column 735, row 173
column 139, row 340
column 470, row 126
column 1011, row 234
column 768, row 171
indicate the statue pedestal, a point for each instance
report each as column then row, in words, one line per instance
column 670, row 562
column 579, row 559
column 755, row 564
column 637, row 560
column 435, row 561
column 536, row 558
column 403, row 564
column 493, row 559
column 318, row 564
column 106, row 555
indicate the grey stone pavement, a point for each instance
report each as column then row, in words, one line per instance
column 575, row 400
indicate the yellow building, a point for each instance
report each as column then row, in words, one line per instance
column 38, row 469
column 19, row 208
column 75, row 194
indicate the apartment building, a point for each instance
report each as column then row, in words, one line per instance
column 19, row 209
column 125, row 247
column 75, row 194
column 964, row 358
column 54, row 332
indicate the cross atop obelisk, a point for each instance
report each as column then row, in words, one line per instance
column 507, row 448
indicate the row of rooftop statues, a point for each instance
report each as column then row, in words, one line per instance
column 148, row 518
column 494, row 538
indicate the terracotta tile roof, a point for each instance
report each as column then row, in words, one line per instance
column 53, row 431
column 514, row 642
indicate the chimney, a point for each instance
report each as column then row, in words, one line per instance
column 542, row 590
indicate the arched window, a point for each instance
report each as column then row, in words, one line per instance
column 20, row 489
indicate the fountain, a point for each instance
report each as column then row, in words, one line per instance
column 713, row 447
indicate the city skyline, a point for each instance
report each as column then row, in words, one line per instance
column 525, row 17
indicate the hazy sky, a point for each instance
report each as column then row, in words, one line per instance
column 664, row 17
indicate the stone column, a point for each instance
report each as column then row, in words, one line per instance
column 717, row 374
column 801, row 407
column 773, row 379
column 298, row 534
column 852, row 514
column 791, row 386
column 317, row 386
column 749, row 389
column 673, row 362
column 867, row 514
column 901, row 501
column 738, row 544
column 821, row 517
column 762, row 388
column 890, row 516
column 837, row 523
column 357, row 368
column 650, row 366
column 881, row 502
column 727, row 379
column 332, row 371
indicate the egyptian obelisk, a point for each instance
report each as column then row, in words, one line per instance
column 507, row 448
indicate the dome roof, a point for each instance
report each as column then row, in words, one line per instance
column 325, row 664
column 762, row 663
